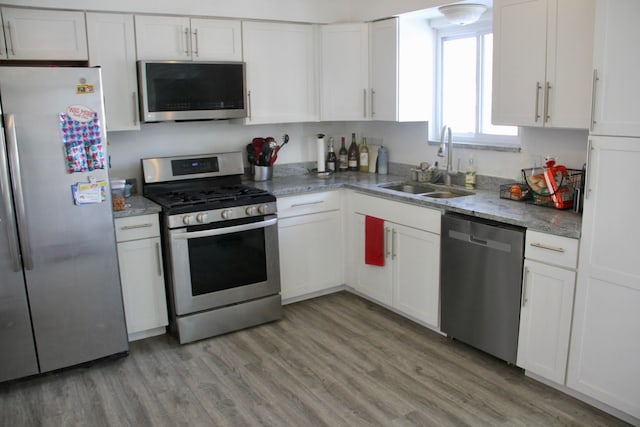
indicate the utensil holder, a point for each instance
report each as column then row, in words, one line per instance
column 262, row 173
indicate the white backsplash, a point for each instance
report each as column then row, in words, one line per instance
column 407, row 143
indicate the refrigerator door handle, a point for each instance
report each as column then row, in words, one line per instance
column 12, row 231
column 16, row 180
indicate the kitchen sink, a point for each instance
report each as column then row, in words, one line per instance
column 434, row 191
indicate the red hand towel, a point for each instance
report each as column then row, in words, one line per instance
column 374, row 241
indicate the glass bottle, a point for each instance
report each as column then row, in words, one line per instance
column 343, row 157
column 354, row 154
column 364, row 156
column 332, row 160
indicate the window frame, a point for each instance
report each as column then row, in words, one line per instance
column 477, row 140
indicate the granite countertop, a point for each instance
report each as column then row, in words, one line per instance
column 483, row 204
column 137, row 205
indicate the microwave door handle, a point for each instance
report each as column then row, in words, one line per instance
column 226, row 230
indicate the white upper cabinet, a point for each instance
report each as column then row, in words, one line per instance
column 187, row 39
column 542, row 68
column 32, row 34
column 378, row 71
column 281, row 72
column 112, row 47
column 345, row 72
column 617, row 61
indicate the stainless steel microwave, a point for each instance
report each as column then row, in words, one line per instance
column 181, row 90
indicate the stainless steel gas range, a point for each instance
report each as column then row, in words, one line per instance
column 220, row 244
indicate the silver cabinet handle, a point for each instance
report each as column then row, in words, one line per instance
column 16, row 180
column 13, row 52
column 547, row 247
column 11, row 226
column 364, row 103
column 593, row 99
column 299, row 205
column 136, row 226
column 537, row 112
column 197, row 43
column 393, row 244
column 524, row 286
column 159, row 259
column 387, row 242
column 547, row 88
column 373, row 110
column 187, row 41
column 249, row 105
column 587, row 181
column 134, row 98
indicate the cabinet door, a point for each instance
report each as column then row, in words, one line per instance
column 605, row 341
column 216, row 40
column 345, row 71
column 617, row 60
column 384, row 70
column 373, row 281
column 416, row 273
column 310, row 253
column 143, row 289
column 112, row 47
column 44, row 34
column 4, row 54
column 281, row 75
column 163, row 38
column 569, row 63
column 519, row 61
column 545, row 320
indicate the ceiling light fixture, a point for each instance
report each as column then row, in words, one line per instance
column 464, row 13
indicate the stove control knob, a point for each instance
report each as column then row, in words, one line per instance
column 186, row 220
column 263, row 209
column 201, row 218
column 251, row 210
column 226, row 214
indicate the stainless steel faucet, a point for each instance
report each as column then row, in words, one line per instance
column 447, row 150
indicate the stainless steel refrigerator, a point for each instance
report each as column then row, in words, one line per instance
column 60, row 295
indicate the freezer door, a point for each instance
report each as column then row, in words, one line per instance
column 18, row 354
column 68, row 251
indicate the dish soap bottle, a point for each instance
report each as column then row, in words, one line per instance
column 470, row 176
column 383, row 160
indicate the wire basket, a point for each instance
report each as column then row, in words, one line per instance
column 515, row 191
column 567, row 182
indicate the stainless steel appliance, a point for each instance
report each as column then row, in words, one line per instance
column 220, row 244
column 60, row 296
column 185, row 90
column 481, row 283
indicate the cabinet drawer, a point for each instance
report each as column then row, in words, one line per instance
column 550, row 249
column 308, row 204
column 137, row 227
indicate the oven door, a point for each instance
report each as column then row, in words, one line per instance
column 228, row 264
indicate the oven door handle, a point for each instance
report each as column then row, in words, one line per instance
column 225, row 230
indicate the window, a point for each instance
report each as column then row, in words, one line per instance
column 464, row 87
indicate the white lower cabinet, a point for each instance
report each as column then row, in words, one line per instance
column 141, row 275
column 410, row 279
column 547, row 305
column 309, row 230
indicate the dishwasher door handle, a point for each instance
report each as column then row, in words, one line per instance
column 488, row 243
column 477, row 241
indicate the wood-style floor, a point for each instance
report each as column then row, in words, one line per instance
column 337, row 360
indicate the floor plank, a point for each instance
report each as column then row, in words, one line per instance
column 337, row 360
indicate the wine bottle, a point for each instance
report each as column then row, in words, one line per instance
column 364, row 156
column 343, row 157
column 354, row 154
column 332, row 160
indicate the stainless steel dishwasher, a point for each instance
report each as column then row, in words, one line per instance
column 481, row 283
